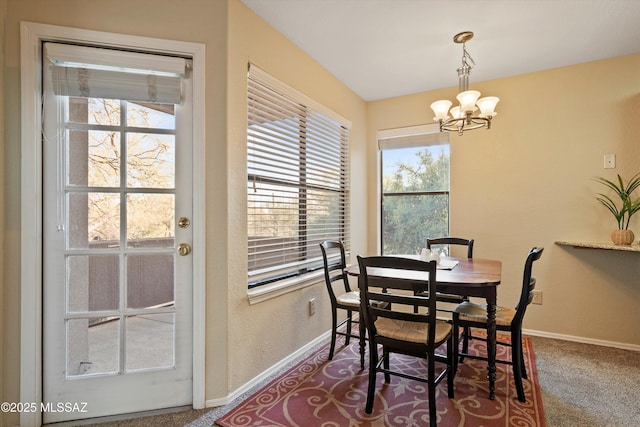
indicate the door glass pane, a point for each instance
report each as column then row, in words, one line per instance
column 149, row 280
column 101, row 111
column 93, row 346
column 93, row 217
column 149, row 341
column 94, row 281
column 148, row 115
column 150, row 220
column 94, row 111
column 150, row 160
column 94, row 158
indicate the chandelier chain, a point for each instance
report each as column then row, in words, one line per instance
column 466, row 58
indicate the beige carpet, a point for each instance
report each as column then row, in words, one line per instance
column 588, row 385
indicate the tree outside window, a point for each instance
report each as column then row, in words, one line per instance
column 415, row 197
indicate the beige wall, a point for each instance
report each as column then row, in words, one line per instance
column 528, row 182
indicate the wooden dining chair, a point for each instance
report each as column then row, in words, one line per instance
column 398, row 330
column 333, row 256
column 452, row 241
column 471, row 315
column 442, row 241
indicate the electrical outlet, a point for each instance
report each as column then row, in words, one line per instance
column 312, row 306
column 537, row 297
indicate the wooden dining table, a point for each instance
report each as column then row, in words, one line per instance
column 471, row 277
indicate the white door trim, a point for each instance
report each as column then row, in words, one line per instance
column 32, row 35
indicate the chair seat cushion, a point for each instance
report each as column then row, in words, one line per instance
column 472, row 312
column 350, row 298
column 404, row 330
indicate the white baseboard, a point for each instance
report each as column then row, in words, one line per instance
column 624, row 346
column 267, row 373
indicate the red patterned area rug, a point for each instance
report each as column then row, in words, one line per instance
column 318, row 392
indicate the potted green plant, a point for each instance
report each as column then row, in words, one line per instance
column 623, row 209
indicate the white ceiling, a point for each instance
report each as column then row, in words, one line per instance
column 386, row 48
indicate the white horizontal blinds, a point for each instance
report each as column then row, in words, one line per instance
column 297, row 192
column 107, row 73
column 412, row 136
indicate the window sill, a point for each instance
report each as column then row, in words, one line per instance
column 276, row 289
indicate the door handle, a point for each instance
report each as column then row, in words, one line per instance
column 184, row 249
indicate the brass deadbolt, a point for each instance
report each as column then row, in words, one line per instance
column 184, row 222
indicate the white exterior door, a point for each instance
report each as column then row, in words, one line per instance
column 117, row 275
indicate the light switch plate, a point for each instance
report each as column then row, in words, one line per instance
column 609, row 161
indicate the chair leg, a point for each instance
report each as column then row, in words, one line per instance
column 371, row 389
column 349, row 319
column 334, row 327
column 431, row 375
column 465, row 341
column 385, row 364
column 456, row 340
column 523, row 367
column 452, row 356
column 516, row 360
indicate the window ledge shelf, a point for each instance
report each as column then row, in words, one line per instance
column 273, row 290
column 597, row 245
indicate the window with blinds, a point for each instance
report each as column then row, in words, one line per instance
column 297, row 180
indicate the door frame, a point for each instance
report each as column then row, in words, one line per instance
column 31, row 36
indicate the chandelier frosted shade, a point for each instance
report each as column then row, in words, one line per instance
column 467, row 100
column 441, row 109
column 463, row 117
column 487, row 106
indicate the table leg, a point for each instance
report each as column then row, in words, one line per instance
column 491, row 341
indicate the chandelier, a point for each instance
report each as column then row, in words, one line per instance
column 464, row 117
